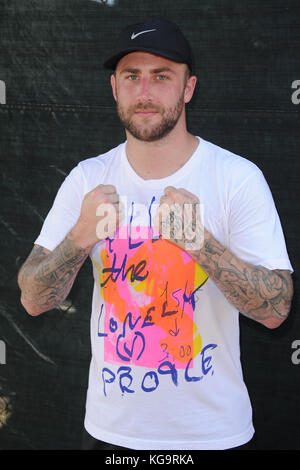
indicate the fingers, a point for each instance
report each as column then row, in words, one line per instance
column 107, row 188
column 178, row 195
column 114, row 198
column 178, row 218
column 104, row 194
column 104, row 191
column 108, row 193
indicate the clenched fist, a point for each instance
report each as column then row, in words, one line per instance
column 178, row 219
column 100, row 216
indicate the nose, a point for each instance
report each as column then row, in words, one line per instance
column 145, row 89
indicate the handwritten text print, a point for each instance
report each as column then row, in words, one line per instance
column 150, row 289
column 150, row 381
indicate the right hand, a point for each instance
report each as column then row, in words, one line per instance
column 100, row 216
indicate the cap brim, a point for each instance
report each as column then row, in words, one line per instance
column 112, row 62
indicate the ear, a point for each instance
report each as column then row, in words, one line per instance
column 113, row 86
column 190, row 88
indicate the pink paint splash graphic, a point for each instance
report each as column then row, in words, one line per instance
column 149, row 287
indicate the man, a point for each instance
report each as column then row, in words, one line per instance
column 183, row 235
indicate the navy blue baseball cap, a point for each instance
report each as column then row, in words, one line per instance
column 157, row 36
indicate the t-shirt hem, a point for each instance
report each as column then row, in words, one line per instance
column 139, row 444
column 46, row 243
column 276, row 263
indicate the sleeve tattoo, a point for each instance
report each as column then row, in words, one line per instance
column 257, row 292
column 46, row 277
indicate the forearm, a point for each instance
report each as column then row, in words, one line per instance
column 46, row 277
column 262, row 294
column 257, row 292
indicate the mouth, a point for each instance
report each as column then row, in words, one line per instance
column 146, row 109
column 146, row 113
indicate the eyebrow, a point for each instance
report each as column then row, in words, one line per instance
column 154, row 71
column 163, row 69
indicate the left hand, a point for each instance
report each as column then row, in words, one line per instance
column 178, row 219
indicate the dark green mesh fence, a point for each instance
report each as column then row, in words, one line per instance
column 56, row 109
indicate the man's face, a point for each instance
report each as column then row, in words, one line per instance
column 150, row 92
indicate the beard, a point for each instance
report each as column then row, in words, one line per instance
column 154, row 132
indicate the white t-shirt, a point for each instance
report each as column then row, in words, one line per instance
column 165, row 370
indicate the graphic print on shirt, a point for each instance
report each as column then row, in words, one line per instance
column 150, row 288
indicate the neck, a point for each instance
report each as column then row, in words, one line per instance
column 154, row 160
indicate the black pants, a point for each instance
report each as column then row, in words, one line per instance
column 90, row 443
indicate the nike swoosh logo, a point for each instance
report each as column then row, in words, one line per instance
column 135, row 35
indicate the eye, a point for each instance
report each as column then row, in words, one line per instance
column 161, row 77
column 132, row 77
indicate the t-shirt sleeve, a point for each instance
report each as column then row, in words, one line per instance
column 64, row 212
column 255, row 231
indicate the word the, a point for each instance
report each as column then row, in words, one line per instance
column 296, row 95
column 296, row 354
column 2, row 92
column 150, row 381
column 2, row 352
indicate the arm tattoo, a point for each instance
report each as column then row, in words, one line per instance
column 46, row 277
column 259, row 293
